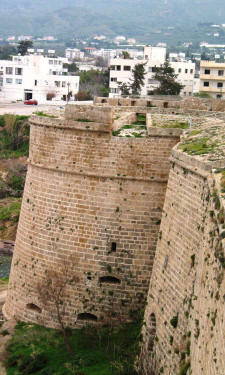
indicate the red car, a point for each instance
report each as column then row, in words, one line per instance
column 31, row 102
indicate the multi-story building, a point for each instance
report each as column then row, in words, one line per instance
column 185, row 71
column 37, row 77
column 74, row 54
column 121, row 70
column 212, row 78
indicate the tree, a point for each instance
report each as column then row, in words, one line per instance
column 54, row 293
column 72, row 68
column 95, row 82
column 125, row 55
column 23, row 46
column 101, row 63
column 167, row 79
column 138, row 78
column 124, row 88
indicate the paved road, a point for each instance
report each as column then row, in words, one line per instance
column 22, row 109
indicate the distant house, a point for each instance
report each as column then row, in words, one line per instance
column 37, row 77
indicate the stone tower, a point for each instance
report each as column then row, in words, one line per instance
column 96, row 199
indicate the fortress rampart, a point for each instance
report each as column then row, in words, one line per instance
column 184, row 332
column 126, row 211
column 96, row 198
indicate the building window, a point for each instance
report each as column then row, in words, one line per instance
column 18, row 81
column 179, row 70
column 219, row 96
column 112, row 67
column 207, row 71
column 118, row 67
column 206, row 84
column 220, row 72
column 114, row 91
column 126, row 67
column 35, row 82
column 50, row 62
column 190, row 93
column 1, row 82
column 57, row 83
column 18, row 71
column 113, row 79
column 63, row 84
column 219, row 84
column 9, row 80
column 154, row 69
column 191, row 71
column 186, row 71
column 8, row 70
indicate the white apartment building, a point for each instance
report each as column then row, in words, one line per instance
column 212, row 78
column 121, row 70
column 36, row 77
column 73, row 54
column 185, row 71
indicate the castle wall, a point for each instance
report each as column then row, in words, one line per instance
column 93, row 199
column 184, row 331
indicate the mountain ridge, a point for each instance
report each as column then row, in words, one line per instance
column 138, row 18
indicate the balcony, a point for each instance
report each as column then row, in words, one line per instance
column 214, row 77
column 218, row 90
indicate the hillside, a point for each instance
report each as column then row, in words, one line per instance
column 144, row 19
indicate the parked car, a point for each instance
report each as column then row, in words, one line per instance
column 31, row 102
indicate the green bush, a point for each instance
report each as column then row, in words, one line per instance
column 16, row 182
column 10, row 212
column 14, row 136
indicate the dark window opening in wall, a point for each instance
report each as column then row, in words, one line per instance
column 35, row 82
column 126, row 67
column 87, row 316
column 220, row 72
column 133, row 102
column 154, row 69
column 109, row 280
column 219, row 96
column 220, row 84
column 118, row 67
column 165, row 105
column 206, row 84
column 207, row 71
column 33, row 307
column 113, row 246
column 151, row 332
column 104, row 101
column 18, row 71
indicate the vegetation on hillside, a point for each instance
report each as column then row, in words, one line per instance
column 149, row 21
column 14, row 146
column 95, row 351
column 14, row 136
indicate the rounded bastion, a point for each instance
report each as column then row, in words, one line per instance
column 94, row 200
